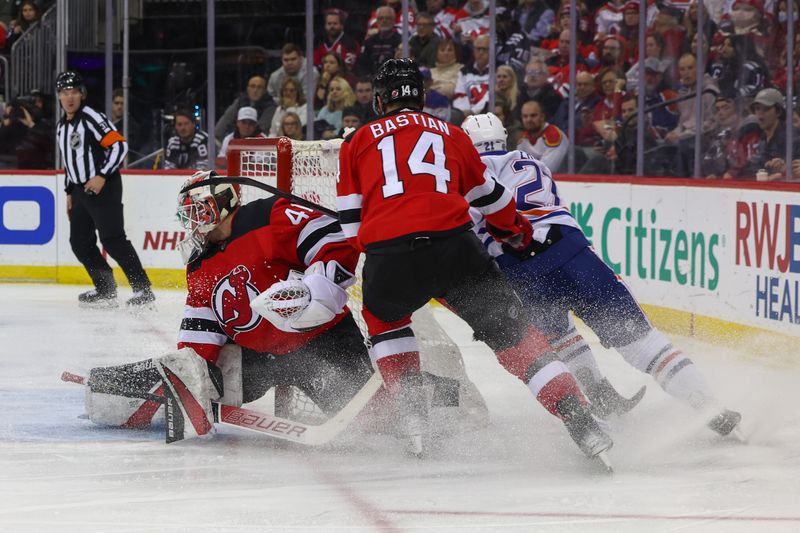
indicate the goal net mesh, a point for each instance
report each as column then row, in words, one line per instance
column 310, row 169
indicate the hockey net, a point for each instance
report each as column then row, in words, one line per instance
column 309, row 169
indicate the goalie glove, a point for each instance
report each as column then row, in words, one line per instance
column 516, row 241
column 303, row 303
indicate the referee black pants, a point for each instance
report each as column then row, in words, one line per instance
column 102, row 214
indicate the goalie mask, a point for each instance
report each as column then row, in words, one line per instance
column 397, row 79
column 486, row 132
column 201, row 209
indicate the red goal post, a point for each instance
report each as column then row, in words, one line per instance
column 310, row 169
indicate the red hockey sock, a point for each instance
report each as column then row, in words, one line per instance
column 547, row 378
column 556, row 389
column 518, row 359
column 393, row 367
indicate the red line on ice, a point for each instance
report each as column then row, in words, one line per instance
column 737, row 518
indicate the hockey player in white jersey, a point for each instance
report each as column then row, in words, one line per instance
column 560, row 273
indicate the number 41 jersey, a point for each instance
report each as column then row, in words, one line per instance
column 269, row 238
column 411, row 174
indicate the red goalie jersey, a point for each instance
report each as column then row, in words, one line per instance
column 411, row 174
column 269, row 238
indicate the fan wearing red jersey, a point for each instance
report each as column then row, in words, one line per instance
column 407, row 181
column 269, row 277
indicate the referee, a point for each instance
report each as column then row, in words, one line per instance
column 93, row 152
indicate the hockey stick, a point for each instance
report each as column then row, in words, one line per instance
column 264, row 187
column 273, row 426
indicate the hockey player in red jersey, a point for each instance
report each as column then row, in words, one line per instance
column 406, row 183
column 268, row 276
column 560, row 273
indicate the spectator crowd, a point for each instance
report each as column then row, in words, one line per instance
column 744, row 76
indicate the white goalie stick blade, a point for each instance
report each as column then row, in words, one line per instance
column 278, row 427
column 283, row 428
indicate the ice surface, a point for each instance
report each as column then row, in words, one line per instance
column 61, row 473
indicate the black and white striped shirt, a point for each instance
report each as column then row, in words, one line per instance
column 90, row 145
column 192, row 154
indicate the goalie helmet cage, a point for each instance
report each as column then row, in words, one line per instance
column 310, row 169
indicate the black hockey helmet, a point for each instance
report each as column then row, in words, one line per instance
column 69, row 80
column 398, row 79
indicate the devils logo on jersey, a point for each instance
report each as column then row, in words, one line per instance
column 231, row 302
column 477, row 92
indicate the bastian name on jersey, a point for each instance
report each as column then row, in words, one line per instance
column 388, row 125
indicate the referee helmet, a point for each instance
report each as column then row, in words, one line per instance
column 69, row 80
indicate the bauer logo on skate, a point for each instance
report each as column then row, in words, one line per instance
column 231, row 301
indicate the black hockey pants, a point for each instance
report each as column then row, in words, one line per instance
column 456, row 269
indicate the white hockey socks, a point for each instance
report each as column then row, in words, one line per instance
column 572, row 350
column 672, row 370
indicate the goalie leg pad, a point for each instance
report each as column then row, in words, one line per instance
column 109, row 389
column 230, row 365
column 190, row 384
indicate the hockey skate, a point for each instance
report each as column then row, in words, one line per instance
column 584, row 430
column 727, row 423
column 411, row 403
column 95, row 299
column 606, row 401
column 141, row 298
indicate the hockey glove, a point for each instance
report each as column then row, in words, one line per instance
column 516, row 241
column 301, row 303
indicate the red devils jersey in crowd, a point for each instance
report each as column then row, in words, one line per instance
column 344, row 45
column 411, row 174
column 269, row 238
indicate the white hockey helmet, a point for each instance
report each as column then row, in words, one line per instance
column 486, row 132
column 201, row 209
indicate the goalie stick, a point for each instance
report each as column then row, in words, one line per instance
column 271, row 425
column 299, row 200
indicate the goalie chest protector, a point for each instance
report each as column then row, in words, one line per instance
column 269, row 238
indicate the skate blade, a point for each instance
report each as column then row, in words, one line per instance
column 605, row 461
column 416, row 448
column 107, row 304
column 140, row 309
column 738, row 434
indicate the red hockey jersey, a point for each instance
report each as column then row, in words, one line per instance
column 269, row 238
column 411, row 174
